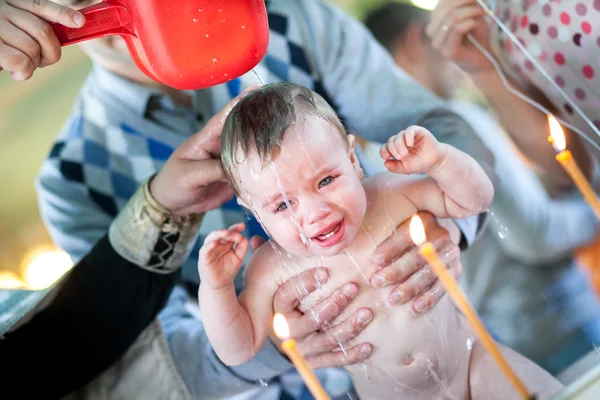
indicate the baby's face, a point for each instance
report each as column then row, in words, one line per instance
column 321, row 178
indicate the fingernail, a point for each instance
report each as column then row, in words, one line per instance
column 17, row 76
column 378, row 281
column 379, row 260
column 365, row 349
column 350, row 290
column 321, row 276
column 79, row 19
column 396, row 298
column 364, row 316
column 421, row 305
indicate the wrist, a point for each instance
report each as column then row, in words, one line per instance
column 144, row 230
column 442, row 152
column 156, row 194
column 213, row 290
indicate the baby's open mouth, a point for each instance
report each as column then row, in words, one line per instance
column 329, row 234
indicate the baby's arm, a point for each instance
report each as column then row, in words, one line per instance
column 237, row 329
column 461, row 186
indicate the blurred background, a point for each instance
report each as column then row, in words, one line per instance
column 31, row 115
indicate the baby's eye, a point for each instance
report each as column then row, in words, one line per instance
column 281, row 207
column 326, row 181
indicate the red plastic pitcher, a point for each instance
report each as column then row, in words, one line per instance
column 185, row 44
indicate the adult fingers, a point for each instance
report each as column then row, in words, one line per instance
column 324, row 312
column 423, row 278
column 336, row 336
column 15, row 61
column 435, row 293
column 334, row 359
column 51, row 12
column 17, row 39
column 441, row 16
column 208, row 140
column 288, row 297
column 47, row 42
column 399, row 270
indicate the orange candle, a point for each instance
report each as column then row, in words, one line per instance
column 565, row 158
column 417, row 234
column 288, row 345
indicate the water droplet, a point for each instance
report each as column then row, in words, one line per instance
column 220, row 10
column 201, row 10
column 222, row 19
column 263, row 383
column 225, row 75
column 195, row 19
column 207, row 35
column 215, row 59
column 244, row 26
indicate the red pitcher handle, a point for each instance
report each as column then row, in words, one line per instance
column 110, row 17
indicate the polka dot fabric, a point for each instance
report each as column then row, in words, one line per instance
column 564, row 37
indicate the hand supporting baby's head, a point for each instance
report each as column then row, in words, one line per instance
column 284, row 138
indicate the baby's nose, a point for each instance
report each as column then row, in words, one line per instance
column 318, row 212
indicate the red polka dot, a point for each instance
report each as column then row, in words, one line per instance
column 564, row 18
column 544, row 56
column 586, row 27
column 529, row 65
column 559, row 58
column 524, row 21
column 588, row 71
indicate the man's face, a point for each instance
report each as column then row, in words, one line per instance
column 324, row 203
column 111, row 51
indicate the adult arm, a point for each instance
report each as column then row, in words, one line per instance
column 99, row 310
column 450, row 22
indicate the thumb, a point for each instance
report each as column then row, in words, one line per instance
column 52, row 12
column 241, row 249
column 199, row 173
column 396, row 167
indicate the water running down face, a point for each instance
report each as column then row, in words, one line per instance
column 321, row 178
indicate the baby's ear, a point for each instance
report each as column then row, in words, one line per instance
column 351, row 142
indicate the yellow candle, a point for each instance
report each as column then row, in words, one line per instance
column 565, row 158
column 291, row 350
column 417, row 233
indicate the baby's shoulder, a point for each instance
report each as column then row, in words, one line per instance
column 387, row 182
column 262, row 259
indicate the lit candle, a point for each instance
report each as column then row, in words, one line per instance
column 417, row 234
column 288, row 345
column 565, row 158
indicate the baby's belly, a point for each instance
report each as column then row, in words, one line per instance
column 414, row 356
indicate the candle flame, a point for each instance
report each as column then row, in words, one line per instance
column 417, row 230
column 557, row 136
column 281, row 327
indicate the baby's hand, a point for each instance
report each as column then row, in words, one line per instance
column 412, row 151
column 221, row 257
